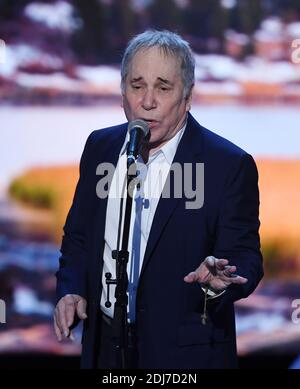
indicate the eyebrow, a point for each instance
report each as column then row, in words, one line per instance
column 136, row 79
column 165, row 81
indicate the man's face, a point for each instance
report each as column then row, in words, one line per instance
column 154, row 92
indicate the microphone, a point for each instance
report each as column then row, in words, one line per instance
column 138, row 131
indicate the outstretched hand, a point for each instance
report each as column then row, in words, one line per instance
column 215, row 273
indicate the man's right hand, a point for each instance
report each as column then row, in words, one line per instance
column 65, row 312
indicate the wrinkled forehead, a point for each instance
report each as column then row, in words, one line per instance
column 155, row 58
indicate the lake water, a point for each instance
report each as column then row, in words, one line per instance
column 37, row 136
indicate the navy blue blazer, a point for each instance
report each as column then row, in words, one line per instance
column 170, row 332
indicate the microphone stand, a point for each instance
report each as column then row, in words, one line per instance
column 120, row 324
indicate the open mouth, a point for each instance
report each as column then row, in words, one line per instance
column 151, row 123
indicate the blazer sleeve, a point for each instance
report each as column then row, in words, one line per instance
column 72, row 272
column 238, row 224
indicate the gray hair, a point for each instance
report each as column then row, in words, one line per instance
column 171, row 44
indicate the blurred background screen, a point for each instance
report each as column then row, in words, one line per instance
column 59, row 80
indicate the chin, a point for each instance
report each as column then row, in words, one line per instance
column 153, row 138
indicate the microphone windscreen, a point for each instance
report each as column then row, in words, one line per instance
column 139, row 123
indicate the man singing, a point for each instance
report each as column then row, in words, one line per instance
column 187, row 264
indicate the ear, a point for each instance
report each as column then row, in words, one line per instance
column 189, row 101
column 122, row 95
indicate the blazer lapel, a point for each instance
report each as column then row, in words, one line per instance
column 109, row 154
column 189, row 151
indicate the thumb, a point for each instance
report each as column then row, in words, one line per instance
column 191, row 277
column 81, row 309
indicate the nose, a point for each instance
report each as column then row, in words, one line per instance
column 149, row 101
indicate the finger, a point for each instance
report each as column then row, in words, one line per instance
column 71, row 336
column 70, row 312
column 57, row 320
column 210, row 261
column 238, row 280
column 81, row 309
column 234, row 280
column 229, row 270
column 62, row 318
column 56, row 329
column 191, row 277
column 214, row 262
column 221, row 263
column 57, row 333
column 59, row 312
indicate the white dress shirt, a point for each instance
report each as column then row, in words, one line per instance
column 152, row 176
